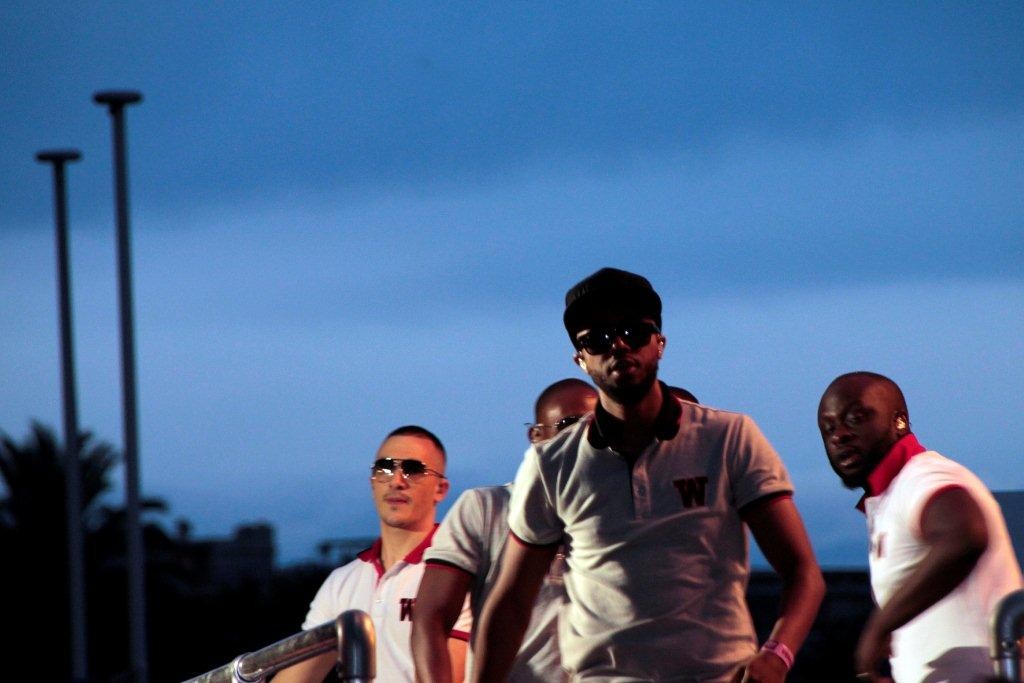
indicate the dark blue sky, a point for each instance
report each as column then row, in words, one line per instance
column 352, row 216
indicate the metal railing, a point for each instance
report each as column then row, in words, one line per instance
column 1007, row 631
column 351, row 634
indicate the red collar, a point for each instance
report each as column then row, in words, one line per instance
column 887, row 469
column 415, row 556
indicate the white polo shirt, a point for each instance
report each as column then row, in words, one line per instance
column 388, row 597
column 950, row 640
column 656, row 550
column 472, row 539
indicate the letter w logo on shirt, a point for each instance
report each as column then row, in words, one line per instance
column 692, row 490
column 405, row 614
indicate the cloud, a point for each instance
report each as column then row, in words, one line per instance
column 884, row 206
column 349, row 218
column 366, row 97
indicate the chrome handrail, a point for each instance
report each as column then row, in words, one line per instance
column 351, row 634
column 1007, row 631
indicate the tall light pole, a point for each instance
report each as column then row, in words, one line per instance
column 116, row 101
column 72, row 477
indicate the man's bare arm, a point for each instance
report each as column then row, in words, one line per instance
column 781, row 536
column 312, row 670
column 953, row 527
column 457, row 659
column 439, row 601
column 506, row 613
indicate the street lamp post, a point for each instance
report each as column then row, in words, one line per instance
column 72, row 476
column 116, row 101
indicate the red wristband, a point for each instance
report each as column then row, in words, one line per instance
column 779, row 650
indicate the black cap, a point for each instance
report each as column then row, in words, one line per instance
column 609, row 288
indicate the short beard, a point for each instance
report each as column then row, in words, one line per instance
column 860, row 481
column 632, row 394
column 853, row 484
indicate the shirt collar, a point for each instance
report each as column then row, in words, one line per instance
column 889, row 466
column 605, row 427
column 415, row 556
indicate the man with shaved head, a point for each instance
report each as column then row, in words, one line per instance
column 560, row 405
column 407, row 482
column 940, row 555
column 466, row 556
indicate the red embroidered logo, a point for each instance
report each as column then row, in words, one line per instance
column 405, row 614
column 693, row 491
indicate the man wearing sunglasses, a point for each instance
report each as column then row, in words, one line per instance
column 652, row 496
column 559, row 406
column 407, row 482
column 466, row 556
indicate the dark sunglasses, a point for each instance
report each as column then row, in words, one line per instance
column 538, row 430
column 599, row 340
column 383, row 470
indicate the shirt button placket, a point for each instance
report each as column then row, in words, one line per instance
column 378, row 599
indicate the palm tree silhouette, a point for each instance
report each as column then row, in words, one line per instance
column 33, row 475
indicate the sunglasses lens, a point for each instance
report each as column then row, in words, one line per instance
column 384, row 465
column 413, row 467
column 384, row 470
column 600, row 340
column 597, row 341
column 635, row 336
column 567, row 421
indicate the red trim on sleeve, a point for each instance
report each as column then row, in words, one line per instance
column 447, row 566
column 764, row 502
column 459, row 635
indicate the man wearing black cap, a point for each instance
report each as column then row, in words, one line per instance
column 650, row 496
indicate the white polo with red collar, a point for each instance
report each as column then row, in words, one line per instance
column 388, row 597
column 656, row 549
column 949, row 641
